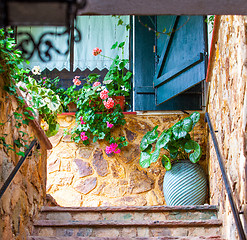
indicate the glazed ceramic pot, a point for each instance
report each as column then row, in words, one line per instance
column 185, row 184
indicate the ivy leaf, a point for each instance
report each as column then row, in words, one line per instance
column 194, row 149
column 145, row 159
column 101, row 135
column 121, row 44
column 166, row 162
column 21, row 153
column 114, row 45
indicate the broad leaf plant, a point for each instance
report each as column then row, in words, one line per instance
column 176, row 141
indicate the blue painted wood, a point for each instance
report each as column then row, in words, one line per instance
column 144, row 64
column 145, row 95
column 179, row 70
column 186, row 41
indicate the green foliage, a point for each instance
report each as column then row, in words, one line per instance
column 176, row 141
column 92, row 116
column 117, row 80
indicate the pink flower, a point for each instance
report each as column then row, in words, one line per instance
column 96, row 84
column 108, row 150
column 109, row 125
column 96, row 51
column 112, row 148
column 82, row 121
column 104, row 94
column 76, row 81
column 109, row 103
column 117, row 151
column 44, row 78
column 44, row 82
column 83, row 136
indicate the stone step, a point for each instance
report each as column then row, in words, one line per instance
column 141, row 228
column 125, row 238
column 155, row 213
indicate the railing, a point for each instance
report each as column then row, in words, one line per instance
column 226, row 181
column 17, row 167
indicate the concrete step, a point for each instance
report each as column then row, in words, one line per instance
column 125, row 238
column 129, row 228
column 145, row 222
column 155, row 213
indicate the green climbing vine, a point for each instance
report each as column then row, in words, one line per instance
column 10, row 60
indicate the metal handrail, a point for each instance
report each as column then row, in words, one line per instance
column 17, row 167
column 235, row 212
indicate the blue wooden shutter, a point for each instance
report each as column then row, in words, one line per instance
column 182, row 61
column 144, row 65
column 169, row 67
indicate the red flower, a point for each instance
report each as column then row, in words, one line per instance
column 76, row 81
column 109, row 103
column 96, row 51
column 96, row 84
column 104, row 94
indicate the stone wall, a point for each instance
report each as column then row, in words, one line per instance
column 227, row 107
column 25, row 195
column 86, row 176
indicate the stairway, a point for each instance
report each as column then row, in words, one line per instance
column 146, row 222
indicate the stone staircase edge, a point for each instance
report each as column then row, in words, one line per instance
column 130, row 208
column 145, row 223
column 126, row 238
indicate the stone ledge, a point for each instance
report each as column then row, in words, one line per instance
column 133, row 223
column 126, row 238
column 130, row 209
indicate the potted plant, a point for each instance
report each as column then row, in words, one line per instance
column 117, row 79
column 97, row 115
column 185, row 181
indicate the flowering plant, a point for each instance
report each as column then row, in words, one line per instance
column 117, row 80
column 41, row 98
column 97, row 115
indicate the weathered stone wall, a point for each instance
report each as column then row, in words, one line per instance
column 25, row 195
column 86, row 176
column 227, row 107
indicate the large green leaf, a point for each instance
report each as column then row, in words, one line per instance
column 181, row 128
column 178, row 131
column 195, row 116
column 153, row 135
column 187, row 124
column 155, row 155
column 166, row 162
column 145, row 159
column 149, row 138
column 194, row 149
column 52, row 130
column 163, row 139
column 144, row 142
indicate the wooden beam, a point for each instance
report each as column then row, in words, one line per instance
column 160, row 7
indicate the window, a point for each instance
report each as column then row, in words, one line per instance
column 169, row 68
